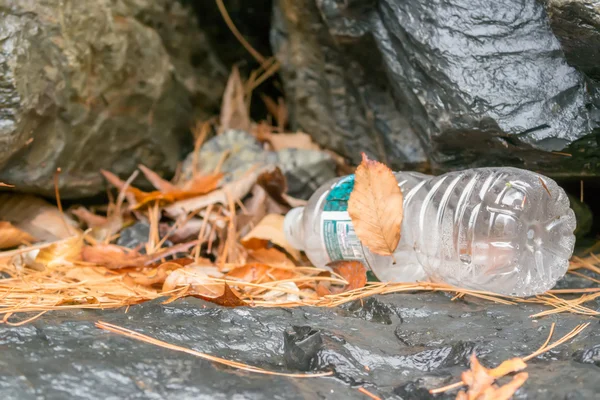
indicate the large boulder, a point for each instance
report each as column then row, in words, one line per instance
column 93, row 84
column 458, row 83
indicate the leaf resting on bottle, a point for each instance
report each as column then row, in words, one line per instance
column 375, row 207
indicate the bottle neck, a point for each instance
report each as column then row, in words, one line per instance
column 294, row 228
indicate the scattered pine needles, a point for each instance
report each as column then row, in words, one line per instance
column 245, row 367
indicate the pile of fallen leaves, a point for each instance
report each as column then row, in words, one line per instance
column 210, row 236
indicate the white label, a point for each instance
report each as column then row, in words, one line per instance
column 339, row 236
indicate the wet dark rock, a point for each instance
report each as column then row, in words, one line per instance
column 576, row 24
column 590, row 356
column 457, row 83
column 372, row 310
column 301, row 344
column 63, row 356
column 97, row 84
column 135, row 235
column 412, row 391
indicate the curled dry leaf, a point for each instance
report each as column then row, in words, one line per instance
column 60, row 253
column 480, row 380
column 229, row 298
column 112, row 256
column 156, row 180
column 234, row 113
column 167, row 193
column 375, row 207
column 235, row 190
column 11, row 236
column 151, row 276
column 353, row 272
column 259, row 273
column 270, row 229
column 36, row 217
column 205, row 283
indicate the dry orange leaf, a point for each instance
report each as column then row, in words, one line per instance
column 234, row 113
column 11, row 236
column 204, row 283
column 167, row 193
column 375, row 207
column 270, row 228
column 480, row 380
column 112, row 256
column 2, row 184
column 229, row 298
column 156, row 180
column 354, row 272
column 151, row 276
column 60, row 253
column 259, row 273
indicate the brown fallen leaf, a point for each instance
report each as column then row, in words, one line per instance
column 270, row 229
column 234, row 113
column 480, row 380
column 11, row 236
column 353, row 272
column 152, row 275
column 112, row 256
column 156, row 180
column 259, row 273
column 375, row 207
column 506, row 391
column 204, row 282
column 167, row 193
column 117, row 182
column 275, row 184
column 277, row 109
column 2, row 184
column 60, row 253
column 36, row 217
column 90, row 219
column 228, row 299
column 236, row 190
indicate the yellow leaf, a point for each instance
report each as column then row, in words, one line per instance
column 270, row 228
column 60, row 253
column 11, row 236
column 375, row 207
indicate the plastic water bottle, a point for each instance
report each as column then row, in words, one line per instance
column 503, row 230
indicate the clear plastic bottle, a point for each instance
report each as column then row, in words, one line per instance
column 503, row 230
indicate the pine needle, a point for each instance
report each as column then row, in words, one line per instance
column 147, row 339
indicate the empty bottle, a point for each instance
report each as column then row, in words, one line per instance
column 504, row 230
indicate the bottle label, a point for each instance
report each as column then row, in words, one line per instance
column 339, row 236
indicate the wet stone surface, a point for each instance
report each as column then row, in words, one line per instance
column 396, row 346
